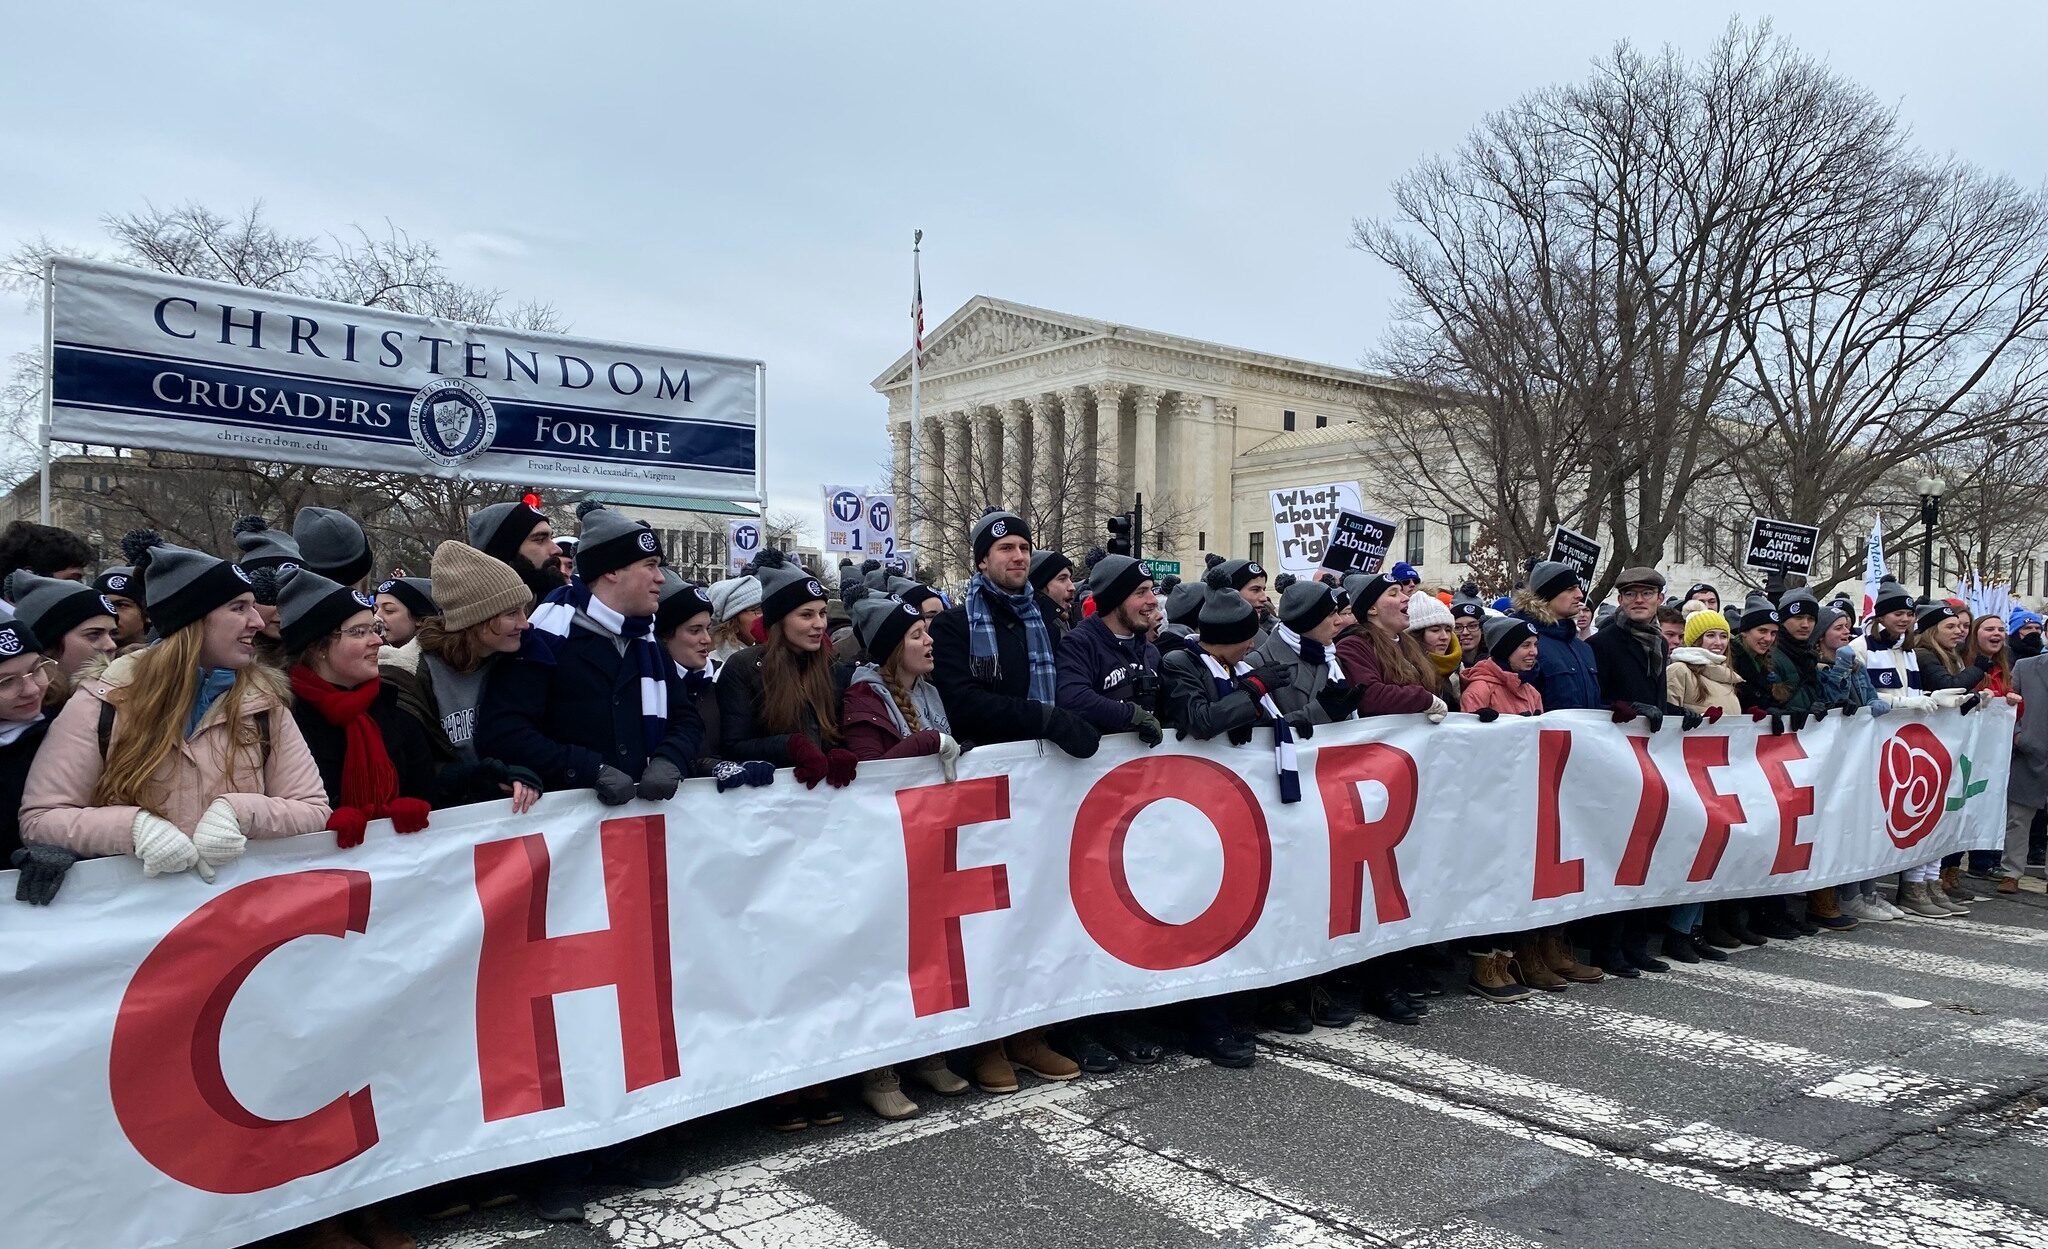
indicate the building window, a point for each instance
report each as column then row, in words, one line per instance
column 1461, row 538
column 1414, row 555
column 1202, row 539
column 1322, row 422
column 1287, row 420
column 1255, row 543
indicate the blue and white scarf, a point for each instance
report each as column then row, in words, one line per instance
column 1312, row 652
column 557, row 615
column 1283, row 737
column 982, row 660
column 1893, row 669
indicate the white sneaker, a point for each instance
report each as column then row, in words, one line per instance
column 1891, row 909
column 1859, row 908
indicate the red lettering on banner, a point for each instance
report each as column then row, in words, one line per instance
column 164, row 1074
column 1650, row 811
column 1102, row 893
column 1357, row 844
column 1794, row 801
column 1555, row 876
column 1724, row 811
column 521, row 969
column 941, row 891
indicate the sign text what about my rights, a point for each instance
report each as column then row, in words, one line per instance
column 293, row 334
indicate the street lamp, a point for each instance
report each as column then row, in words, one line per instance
column 1930, row 511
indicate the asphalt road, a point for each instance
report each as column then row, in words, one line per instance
column 1882, row 1087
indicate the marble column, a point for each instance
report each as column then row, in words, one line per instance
column 988, row 468
column 930, row 511
column 962, row 506
column 1047, row 462
column 1222, row 457
column 1145, row 442
column 1016, row 469
column 1107, row 493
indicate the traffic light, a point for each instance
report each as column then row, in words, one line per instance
column 1120, row 534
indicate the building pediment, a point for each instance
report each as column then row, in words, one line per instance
column 986, row 330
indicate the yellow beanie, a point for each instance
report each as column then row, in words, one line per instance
column 1701, row 623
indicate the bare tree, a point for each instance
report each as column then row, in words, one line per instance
column 1680, row 283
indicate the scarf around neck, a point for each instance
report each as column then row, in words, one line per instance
column 368, row 781
column 213, row 682
column 1311, row 652
column 557, row 615
column 1283, row 737
column 983, row 661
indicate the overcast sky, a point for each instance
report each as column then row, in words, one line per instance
column 744, row 178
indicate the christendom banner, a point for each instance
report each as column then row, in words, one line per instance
column 200, row 1065
column 144, row 359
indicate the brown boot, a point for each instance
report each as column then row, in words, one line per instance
column 376, row 1231
column 992, row 1070
column 1491, row 980
column 1533, row 964
column 1952, row 886
column 1029, row 1051
column 1559, row 958
column 2008, row 884
column 1821, row 905
column 326, row 1234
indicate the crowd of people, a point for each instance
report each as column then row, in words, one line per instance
column 176, row 704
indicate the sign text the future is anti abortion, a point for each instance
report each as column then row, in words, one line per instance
column 143, row 359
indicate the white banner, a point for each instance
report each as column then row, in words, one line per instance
column 145, row 359
column 742, row 544
column 1302, row 517
column 880, row 538
column 845, row 519
column 319, row 1029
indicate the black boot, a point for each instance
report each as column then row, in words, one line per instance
column 1328, row 1010
column 1645, row 961
column 1132, row 1048
column 1678, row 946
column 1615, row 961
column 1707, row 951
column 1224, row 1049
column 1771, row 921
column 1281, row 1011
column 1088, row 1053
column 1392, row 1006
column 1740, row 927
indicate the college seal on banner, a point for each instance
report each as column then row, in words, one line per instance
column 452, row 422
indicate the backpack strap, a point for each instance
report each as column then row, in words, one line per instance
column 263, row 740
column 106, row 728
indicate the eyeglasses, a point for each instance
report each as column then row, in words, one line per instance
column 1638, row 592
column 356, row 633
column 12, row 687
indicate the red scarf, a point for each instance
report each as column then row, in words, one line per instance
column 368, row 781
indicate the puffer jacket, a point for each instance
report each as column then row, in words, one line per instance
column 273, row 795
column 1567, row 673
column 1379, row 696
column 1847, row 685
column 1488, row 685
column 1698, row 679
column 873, row 726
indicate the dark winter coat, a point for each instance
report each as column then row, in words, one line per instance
column 872, row 732
column 1193, row 707
column 986, row 710
column 1798, row 659
column 1100, row 674
column 1378, row 696
column 1934, row 674
column 1627, row 672
column 565, row 718
column 405, row 741
column 703, row 695
column 15, row 757
column 1567, row 672
column 740, row 696
column 1770, row 682
column 1305, row 688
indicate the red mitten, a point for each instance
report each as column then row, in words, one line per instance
column 1758, row 714
column 809, row 761
column 347, row 824
column 1713, row 715
column 1623, row 712
column 839, row 768
column 758, row 631
column 408, row 815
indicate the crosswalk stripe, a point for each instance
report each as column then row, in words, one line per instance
column 1748, row 981
column 1927, row 962
column 1875, row 1207
column 2007, row 934
column 2023, row 1035
column 814, row 1226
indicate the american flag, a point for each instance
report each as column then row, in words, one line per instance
column 916, row 303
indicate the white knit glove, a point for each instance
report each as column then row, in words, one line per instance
column 218, row 837
column 162, row 846
column 1912, row 702
column 1948, row 700
column 1437, row 710
column 949, row 756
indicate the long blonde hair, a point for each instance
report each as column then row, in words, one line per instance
column 898, row 686
column 152, row 708
column 1951, row 659
column 1971, row 654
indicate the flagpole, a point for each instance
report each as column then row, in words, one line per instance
column 916, row 367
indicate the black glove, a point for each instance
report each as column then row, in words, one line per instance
column 1777, row 719
column 1150, row 731
column 1820, row 713
column 42, row 872
column 613, row 786
column 1240, row 736
column 1300, row 724
column 658, row 780
column 1487, row 715
column 1339, row 701
column 753, row 772
column 1652, row 715
column 1272, row 676
column 1071, row 733
column 1971, row 703
column 1798, row 721
column 1692, row 720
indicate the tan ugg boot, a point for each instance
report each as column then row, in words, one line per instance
column 1561, row 960
column 992, row 1070
column 1534, row 969
column 1029, row 1051
column 1490, row 979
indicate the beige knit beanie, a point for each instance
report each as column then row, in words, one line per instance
column 470, row 587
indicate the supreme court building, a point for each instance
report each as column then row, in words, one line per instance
column 1067, row 420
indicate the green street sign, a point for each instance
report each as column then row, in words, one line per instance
column 1163, row 567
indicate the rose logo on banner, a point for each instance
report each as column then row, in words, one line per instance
column 1912, row 778
column 452, row 422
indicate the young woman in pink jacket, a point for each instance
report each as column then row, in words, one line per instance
column 180, row 752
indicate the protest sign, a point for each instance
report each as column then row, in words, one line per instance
column 1302, row 518
column 144, row 359
column 845, row 519
column 1356, row 543
column 1575, row 549
column 1781, row 546
column 880, row 538
column 742, row 544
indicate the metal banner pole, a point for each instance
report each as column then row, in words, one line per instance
column 49, row 385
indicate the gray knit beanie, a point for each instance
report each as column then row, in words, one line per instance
column 332, row 544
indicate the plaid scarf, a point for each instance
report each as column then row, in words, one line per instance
column 982, row 660
column 557, row 615
column 1283, row 737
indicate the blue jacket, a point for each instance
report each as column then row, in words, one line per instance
column 564, row 719
column 1100, row 675
column 1567, row 674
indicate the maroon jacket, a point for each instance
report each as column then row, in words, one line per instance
column 1382, row 697
column 870, row 731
